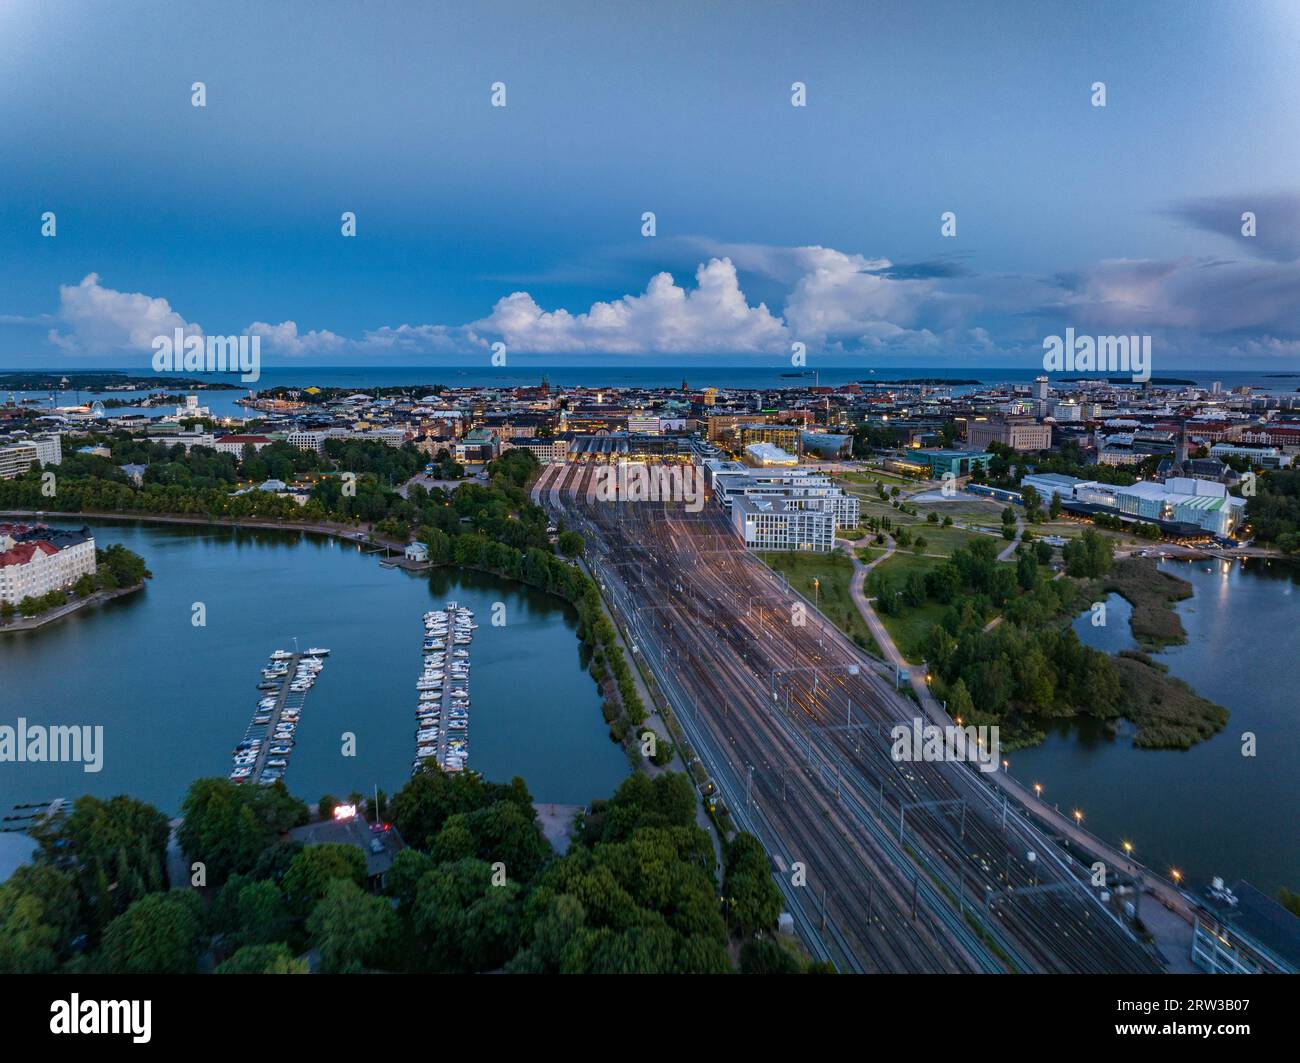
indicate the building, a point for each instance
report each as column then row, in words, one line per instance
column 763, row 454
column 553, row 450
column 1180, row 505
column 307, row 440
column 643, row 424
column 16, row 459
column 1263, row 457
column 36, row 559
column 937, row 463
column 416, row 552
column 49, row 448
column 783, row 524
column 807, row 487
column 1016, row 433
column 825, row 445
column 235, row 444
column 785, row 436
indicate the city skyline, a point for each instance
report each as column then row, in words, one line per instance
column 774, row 224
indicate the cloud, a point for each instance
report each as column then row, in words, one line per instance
column 94, row 320
column 424, row 339
column 837, row 302
column 285, row 339
column 713, row 318
column 1277, row 221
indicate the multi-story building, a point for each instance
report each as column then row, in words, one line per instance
column 16, row 459
column 784, row 524
column 1018, row 434
column 307, row 440
column 553, row 450
column 35, row 560
column 785, row 436
column 234, row 444
column 1264, row 457
column 731, row 482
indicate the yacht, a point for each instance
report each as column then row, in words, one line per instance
column 317, row 651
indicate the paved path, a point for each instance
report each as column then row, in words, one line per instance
column 1061, row 824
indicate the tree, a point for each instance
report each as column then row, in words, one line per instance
column 466, row 923
column 263, row 959
column 228, row 826
column 570, row 543
column 313, row 869
column 752, row 900
column 114, row 850
column 767, row 956
column 158, row 934
column 352, row 929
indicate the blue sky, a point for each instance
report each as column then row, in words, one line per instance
column 775, row 224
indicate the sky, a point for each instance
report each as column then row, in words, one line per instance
column 774, row 224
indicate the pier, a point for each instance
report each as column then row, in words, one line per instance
column 449, row 757
column 289, row 703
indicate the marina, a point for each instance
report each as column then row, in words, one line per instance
column 262, row 755
column 442, row 710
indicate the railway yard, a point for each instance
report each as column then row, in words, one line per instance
column 885, row 866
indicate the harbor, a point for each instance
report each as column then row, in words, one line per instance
column 442, row 712
column 262, row 755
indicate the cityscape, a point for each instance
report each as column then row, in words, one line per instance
column 883, row 595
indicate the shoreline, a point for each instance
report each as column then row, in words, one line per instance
column 61, row 612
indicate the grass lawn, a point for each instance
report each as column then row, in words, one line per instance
column 834, row 572
column 909, row 630
column 870, row 476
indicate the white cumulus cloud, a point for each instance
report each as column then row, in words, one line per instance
column 714, row 317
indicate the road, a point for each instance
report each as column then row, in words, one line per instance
column 885, row 866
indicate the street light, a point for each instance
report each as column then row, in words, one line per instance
column 1176, row 875
column 1038, row 789
column 1078, row 817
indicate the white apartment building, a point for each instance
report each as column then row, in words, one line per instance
column 16, row 459
column 307, row 440
column 801, row 485
column 784, row 524
column 37, row 567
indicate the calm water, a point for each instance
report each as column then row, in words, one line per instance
column 173, row 698
column 1208, row 810
column 527, row 372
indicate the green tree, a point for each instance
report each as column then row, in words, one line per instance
column 751, row 898
column 315, row 868
column 352, row 929
column 158, row 934
column 263, row 959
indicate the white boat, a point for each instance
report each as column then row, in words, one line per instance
column 281, row 655
column 317, row 651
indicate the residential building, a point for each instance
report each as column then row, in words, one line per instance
column 784, row 524
column 35, row 560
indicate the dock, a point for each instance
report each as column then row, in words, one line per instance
column 451, row 745
column 289, row 703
